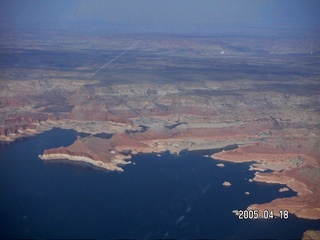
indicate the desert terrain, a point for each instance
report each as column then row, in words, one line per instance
column 130, row 94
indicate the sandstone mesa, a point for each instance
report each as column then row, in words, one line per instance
column 274, row 122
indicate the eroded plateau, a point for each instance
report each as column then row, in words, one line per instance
column 133, row 94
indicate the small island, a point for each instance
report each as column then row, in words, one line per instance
column 284, row 189
column 226, row 184
column 220, row 165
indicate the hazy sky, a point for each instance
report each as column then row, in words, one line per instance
column 164, row 13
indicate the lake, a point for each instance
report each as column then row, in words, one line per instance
column 169, row 196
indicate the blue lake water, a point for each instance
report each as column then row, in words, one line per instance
column 158, row 197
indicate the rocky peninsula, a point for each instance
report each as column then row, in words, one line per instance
column 172, row 97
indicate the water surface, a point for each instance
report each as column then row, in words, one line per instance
column 157, row 197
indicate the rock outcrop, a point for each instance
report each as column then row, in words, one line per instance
column 183, row 96
column 311, row 235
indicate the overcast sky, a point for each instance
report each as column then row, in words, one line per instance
column 164, row 13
